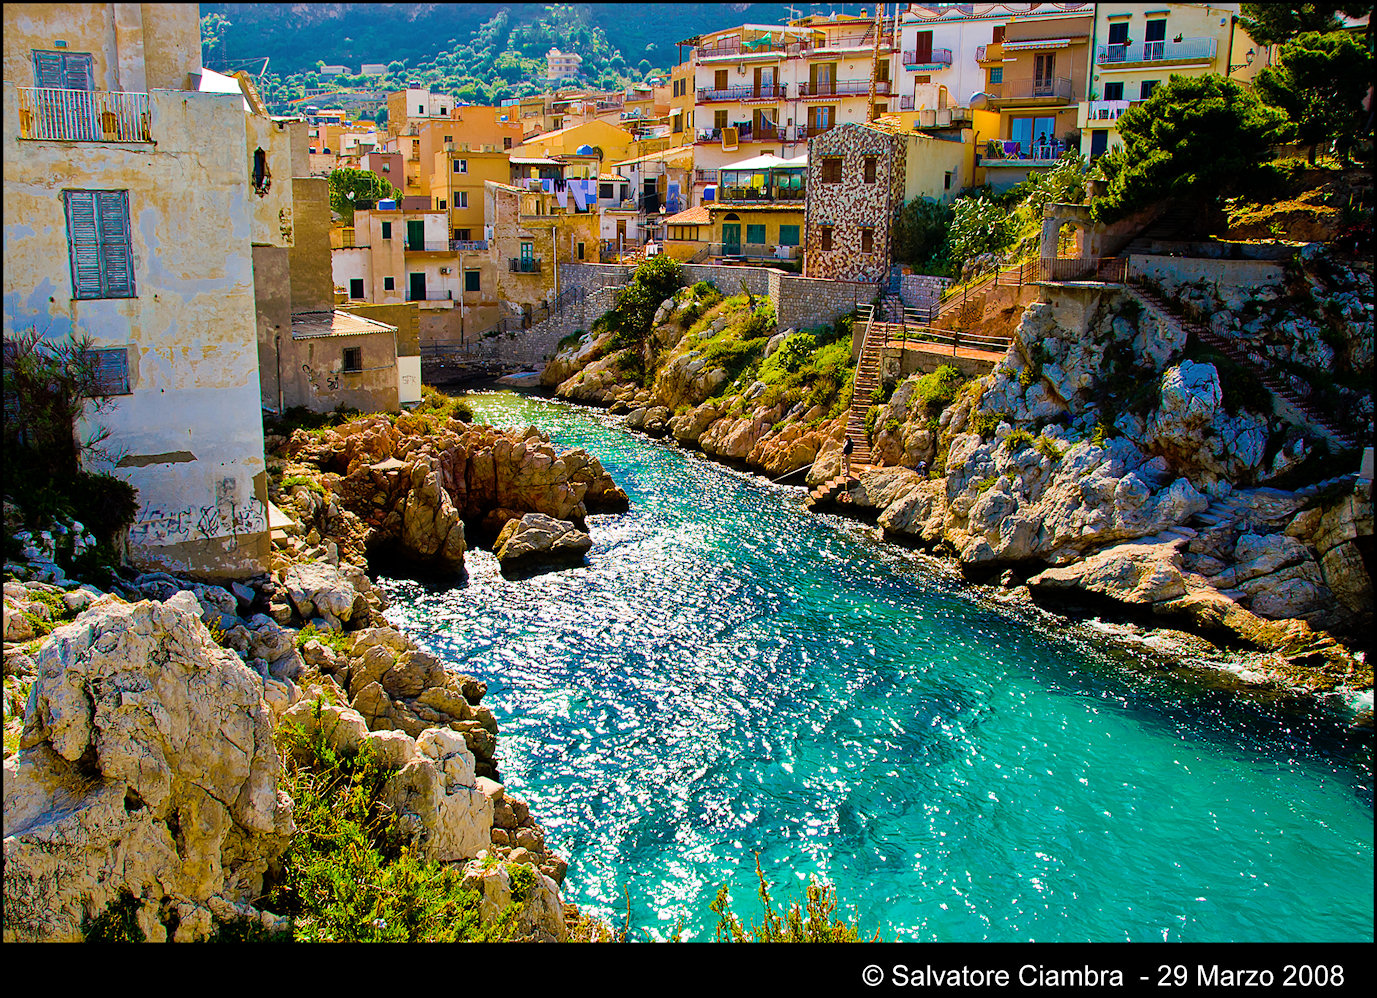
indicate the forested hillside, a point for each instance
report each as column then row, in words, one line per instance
column 481, row 52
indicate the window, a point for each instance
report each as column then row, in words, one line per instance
column 998, row 34
column 1114, row 91
column 461, row 166
column 387, row 167
column 719, row 80
column 462, row 200
column 471, row 280
column 101, row 244
column 463, row 235
column 353, row 358
column 678, row 123
column 719, row 119
column 439, row 204
column 870, row 169
column 389, row 284
column 1148, row 87
column 788, row 235
column 506, row 142
column 356, row 287
column 605, row 192
column 111, row 371
column 580, row 251
column 923, row 47
column 63, row 70
column 867, row 240
column 387, row 230
column 755, row 235
column 827, row 237
column 997, row 75
column 1044, row 67
column 946, row 181
column 831, row 169
column 1118, row 33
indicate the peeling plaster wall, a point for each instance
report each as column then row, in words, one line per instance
column 272, row 296
column 273, row 222
column 190, row 334
column 313, row 286
column 313, row 373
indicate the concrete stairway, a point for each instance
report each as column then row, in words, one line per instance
column 1168, row 313
column 866, row 381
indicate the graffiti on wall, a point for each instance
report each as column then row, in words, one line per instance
column 332, row 378
column 227, row 516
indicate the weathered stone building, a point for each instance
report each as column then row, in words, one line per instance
column 132, row 205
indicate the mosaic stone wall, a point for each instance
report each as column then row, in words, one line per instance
column 853, row 204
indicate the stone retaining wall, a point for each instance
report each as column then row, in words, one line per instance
column 1226, row 273
column 921, row 290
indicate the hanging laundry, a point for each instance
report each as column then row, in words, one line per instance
column 562, row 196
column 580, row 195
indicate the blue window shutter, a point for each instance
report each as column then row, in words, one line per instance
column 76, row 71
column 85, row 247
column 47, row 69
column 117, row 263
column 111, row 370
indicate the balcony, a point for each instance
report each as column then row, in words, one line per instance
column 842, row 88
column 812, row 131
column 1050, row 91
column 467, row 245
column 1101, row 111
column 744, row 133
column 731, row 48
column 937, row 57
column 529, row 265
column 708, row 95
column 1151, row 53
column 82, row 115
column 704, row 176
column 427, row 246
column 865, row 44
column 759, row 195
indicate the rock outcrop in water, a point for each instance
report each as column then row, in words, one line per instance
column 420, row 495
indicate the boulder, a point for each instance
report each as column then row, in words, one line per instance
column 146, row 765
column 537, row 538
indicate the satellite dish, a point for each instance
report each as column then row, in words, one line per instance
column 979, row 101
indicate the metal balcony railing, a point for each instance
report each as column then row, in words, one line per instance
column 831, row 88
column 906, row 103
column 527, row 265
column 1105, row 110
column 759, row 195
column 83, row 115
column 746, row 133
column 465, row 245
column 1054, row 89
column 937, row 57
column 704, row 176
column 709, row 95
column 1186, row 50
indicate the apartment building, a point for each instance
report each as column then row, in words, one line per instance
column 415, row 106
column 765, row 89
column 1136, row 48
column 1037, row 75
column 117, row 151
column 941, row 49
column 562, row 65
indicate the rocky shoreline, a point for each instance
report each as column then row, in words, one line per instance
column 146, row 726
column 1029, row 489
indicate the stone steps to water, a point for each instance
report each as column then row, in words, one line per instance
column 1173, row 316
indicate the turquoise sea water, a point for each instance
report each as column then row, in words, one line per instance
column 730, row 674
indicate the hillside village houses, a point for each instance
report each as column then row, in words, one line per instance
column 791, row 146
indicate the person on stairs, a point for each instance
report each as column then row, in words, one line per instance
column 846, row 457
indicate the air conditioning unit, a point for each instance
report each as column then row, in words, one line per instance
column 445, row 270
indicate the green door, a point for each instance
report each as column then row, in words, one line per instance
column 415, row 234
column 418, row 288
column 731, row 238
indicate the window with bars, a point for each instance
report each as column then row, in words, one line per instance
column 353, row 358
column 101, row 244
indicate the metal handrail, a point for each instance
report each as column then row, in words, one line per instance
column 83, row 115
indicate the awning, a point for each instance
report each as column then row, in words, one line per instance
column 1036, row 43
column 766, row 162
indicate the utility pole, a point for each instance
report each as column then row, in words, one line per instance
column 871, row 114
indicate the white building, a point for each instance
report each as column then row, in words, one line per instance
column 562, row 65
